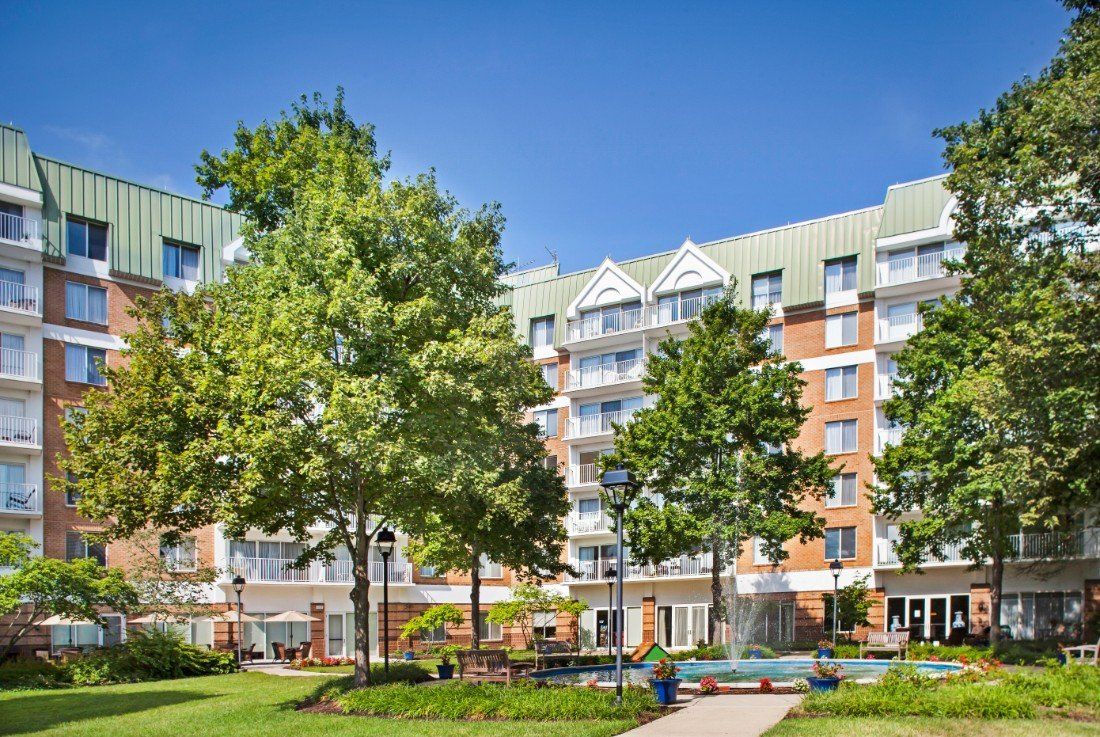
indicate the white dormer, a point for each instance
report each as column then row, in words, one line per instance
column 690, row 268
column 608, row 286
column 236, row 253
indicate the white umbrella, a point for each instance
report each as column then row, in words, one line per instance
column 292, row 616
column 57, row 619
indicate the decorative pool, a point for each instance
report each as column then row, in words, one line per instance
column 748, row 671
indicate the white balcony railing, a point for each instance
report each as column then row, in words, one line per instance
column 18, row 430
column 685, row 565
column 583, row 523
column 584, row 426
column 607, row 324
column 281, row 570
column 18, row 364
column 16, row 228
column 1029, row 546
column 612, row 373
column 19, row 297
column 269, row 570
column 887, row 436
column 916, row 268
column 885, row 386
column 680, row 310
column 899, row 327
column 339, row 571
column 582, row 475
column 18, row 498
column 887, row 555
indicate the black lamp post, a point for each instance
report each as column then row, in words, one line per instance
column 620, row 486
column 385, row 542
column 836, row 567
column 238, row 586
column 611, row 575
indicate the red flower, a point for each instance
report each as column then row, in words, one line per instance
column 766, row 686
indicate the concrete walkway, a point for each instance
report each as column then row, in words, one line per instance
column 726, row 716
column 278, row 669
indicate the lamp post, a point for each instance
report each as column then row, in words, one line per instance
column 611, row 574
column 385, row 542
column 619, row 485
column 238, row 586
column 836, row 567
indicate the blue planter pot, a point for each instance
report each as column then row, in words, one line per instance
column 446, row 672
column 665, row 690
column 409, row 655
column 823, row 684
column 1061, row 658
column 824, row 652
column 756, row 654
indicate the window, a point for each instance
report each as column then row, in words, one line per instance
column 16, row 493
column 439, row 634
column 76, row 546
column 82, row 364
column 842, row 329
column 550, row 462
column 180, row 556
column 841, row 383
column 840, row 275
column 542, row 332
column 181, row 262
column 12, row 226
column 71, row 497
column 550, row 374
column 488, row 569
column 86, row 239
column 85, row 302
column 547, row 420
column 840, row 543
column 841, row 437
column 773, row 334
column 490, row 631
column 428, row 571
column 544, row 625
column 759, row 555
column 767, row 289
column 843, row 493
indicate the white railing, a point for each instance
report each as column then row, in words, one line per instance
column 19, row 364
column 338, row 571
column 899, row 327
column 885, row 388
column 582, row 523
column 916, row 268
column 1027, row 546
column 18, row 498
column 582, row 475
column 887, row 555
column 609, row 324
column 269, row 570
column 18, row 430
column 685, row 565
column 17, row 228
column 680, row 310
column 612, row 373
column 888, row 436
column 19, row 297
column 584, row 426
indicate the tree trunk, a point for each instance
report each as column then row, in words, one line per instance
column 716, row 603
column 360, row 601
column 475, row 602
column 995, row 585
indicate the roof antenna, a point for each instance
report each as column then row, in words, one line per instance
column 553, row 254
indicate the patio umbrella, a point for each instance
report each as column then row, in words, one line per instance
column 57, row 619
column 292, row 616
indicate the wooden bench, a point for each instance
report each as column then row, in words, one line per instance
column 895, row 642
column 489, row 665
column 551, row 649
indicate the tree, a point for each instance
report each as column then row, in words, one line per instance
column 164, row 587
column 528, row 599
column 432, row 619
column 40, row 587
column 706, row 447
column 853, row 604
column 327, row 381
column 1001, row 390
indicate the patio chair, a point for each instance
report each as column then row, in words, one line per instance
column 1083, row 650
column 304, row 649
column 279, row 649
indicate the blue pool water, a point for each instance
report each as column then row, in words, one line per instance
column 748, row 671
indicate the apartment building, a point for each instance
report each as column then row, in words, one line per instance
column 844, row 292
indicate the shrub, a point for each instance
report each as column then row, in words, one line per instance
column 708, row 685
column 301, row 663
column 766, row 686
column 718, row 652
column 148, row 655
column 31, row 674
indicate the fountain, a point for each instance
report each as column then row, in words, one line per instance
column 742, row 613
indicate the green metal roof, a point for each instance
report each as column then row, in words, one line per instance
column 799, row 250
column 531, row 276
column 16, row 165
column 914, row 206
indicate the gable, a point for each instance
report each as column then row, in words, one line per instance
column 608, row 286
column 689, row 268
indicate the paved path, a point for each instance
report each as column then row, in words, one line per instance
column 725, row 716
column 275, row 669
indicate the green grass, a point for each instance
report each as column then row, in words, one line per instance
column 930, row 727
column 255, row 704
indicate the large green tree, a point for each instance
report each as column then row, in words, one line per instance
column 329, row 380
column 718, row 448
column 1000, row 393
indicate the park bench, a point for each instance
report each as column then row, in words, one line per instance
column 896, row 642
column 489, row 665
column 551, row 650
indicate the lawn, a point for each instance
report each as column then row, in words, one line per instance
column 247, row 703
column 930, row 727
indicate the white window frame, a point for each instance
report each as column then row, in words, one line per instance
column 177, row 260
column 835, row 498
column 843, row 435
column 491, row 631
column 834, row 336
column 541, row 417
column 840, row 543
column 182, row 556
column 87, row 225
column 550, row 374
column 840, row 263
column 87, row 289
column 71, row 349
column 837, row 378
column 758, row 555
column 542, row 332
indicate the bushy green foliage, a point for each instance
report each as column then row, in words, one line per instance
column 148, row 656
column 433, row 618
column 524, row 701
column 31, row 674
column 718, row 652
column 400, row 672
column 1009, row 652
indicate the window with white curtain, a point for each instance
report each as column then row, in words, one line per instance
column 181, row 262
column 547, row 420
column 841, row 329
column 180, row 556
column 841, row 383
column 542, row 332
column 759, row 556
column 82, row 364
column 841, row 436
column 85, row 302
column 774, row 335
column 843, row 492
column 550, row 374
column 490, row 631
column 767, row 289
column 840, row 275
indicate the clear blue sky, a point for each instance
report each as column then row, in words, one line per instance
column 601, row 128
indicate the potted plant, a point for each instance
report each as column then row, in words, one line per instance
column 708, row 685
column 409, row 655
column 824, row 649
column 826, row 676
column 664, row 682
column 446, row 668
column 755, row 653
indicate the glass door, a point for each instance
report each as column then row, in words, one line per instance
column 937, row 618
column 917, row 618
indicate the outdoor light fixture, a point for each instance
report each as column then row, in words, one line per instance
column 238, row 586
column 611, row 575
column 620, row 487
column 384, row 542
column 836, row 567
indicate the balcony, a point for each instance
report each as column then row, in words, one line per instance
column 1025, row 547
column 589, row 571
column 18, row 431
column 596, row 326
column 19, row 498
column 19, row 298
column 17, row 229
column 584, row 474
column 682, row 310
column 587, row 523
column 339, row 571
column 887, row 436
column 899, row 327
column 887, row 556
column 916, row 268
column 884, row 386
column 281, row 570
column 591, row 377
column 590, row 426
column 19, row 366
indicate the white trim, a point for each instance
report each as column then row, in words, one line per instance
column 944, row 231
column 608, row 267
column 836, row 360
column 780, row 582
column 932, row 178
column 679, row 266
column 86, row 266
column 22, row 195
column 89, row 338
column 236, row 252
